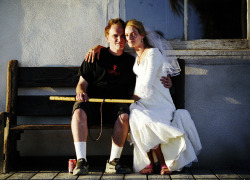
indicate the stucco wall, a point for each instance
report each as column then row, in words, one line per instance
column 50, row 33
column 218, row 99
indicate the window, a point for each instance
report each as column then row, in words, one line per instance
column 221, row 19
column 223, row 22
column 195, row 24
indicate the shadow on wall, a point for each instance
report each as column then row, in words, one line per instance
column 11, row 18
column 217, row 97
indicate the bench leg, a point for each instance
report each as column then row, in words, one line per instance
column 6, row 147
column 2, row 123
column 10, row 154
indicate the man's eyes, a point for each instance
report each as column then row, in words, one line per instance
column 116, row 36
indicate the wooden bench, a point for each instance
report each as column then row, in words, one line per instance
column 40, row 105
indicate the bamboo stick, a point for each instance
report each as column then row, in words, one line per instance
column 62, row 98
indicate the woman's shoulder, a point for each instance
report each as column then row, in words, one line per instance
column 154, row 55
column 154, row 51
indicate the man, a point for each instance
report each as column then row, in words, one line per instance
column 109, row 77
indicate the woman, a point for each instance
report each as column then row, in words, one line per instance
column 156, row 127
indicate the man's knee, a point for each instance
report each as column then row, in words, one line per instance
column 79, row 115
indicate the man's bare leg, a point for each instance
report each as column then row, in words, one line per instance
column 121, row 129
column 79, row 130
column 119, row 136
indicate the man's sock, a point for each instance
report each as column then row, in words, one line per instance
column 115, row 152
column 80, row 148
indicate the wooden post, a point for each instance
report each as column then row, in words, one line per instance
column 185, row 20
column 9, row 148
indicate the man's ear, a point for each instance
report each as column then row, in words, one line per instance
column 107, row 38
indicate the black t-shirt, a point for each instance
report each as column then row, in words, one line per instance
column 109, row 77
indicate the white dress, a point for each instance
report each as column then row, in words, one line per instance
column 154, row 119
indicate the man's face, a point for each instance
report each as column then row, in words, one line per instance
column 116, row 38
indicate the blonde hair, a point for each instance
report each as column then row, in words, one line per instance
column 141, row 30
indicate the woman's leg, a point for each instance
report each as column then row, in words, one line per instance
column 149, row 169
column 164, row 168
column 159, row 155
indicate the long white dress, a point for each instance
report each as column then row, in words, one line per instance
column 154, row 119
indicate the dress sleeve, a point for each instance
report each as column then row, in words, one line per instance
column 145, row 80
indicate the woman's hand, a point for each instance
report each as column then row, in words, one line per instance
column 90, row 56
column 82, row 97
column 135, row 97
column 166, row 81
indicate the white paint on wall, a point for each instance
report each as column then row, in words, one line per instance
column 58, row 33
column 196, row 71
column 231, row 100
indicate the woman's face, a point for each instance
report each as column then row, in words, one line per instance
column 134, row 39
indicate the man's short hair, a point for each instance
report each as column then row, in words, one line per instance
column 111, row 22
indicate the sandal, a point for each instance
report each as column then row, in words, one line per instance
column 147, row 170
column 165, row 170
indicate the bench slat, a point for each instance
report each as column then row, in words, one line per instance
column 42, row 127
column 42, row 106
column 53, row 127
column 47, row 76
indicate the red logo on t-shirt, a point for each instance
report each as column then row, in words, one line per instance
column 114, row 71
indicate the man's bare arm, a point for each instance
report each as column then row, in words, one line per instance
column 90, row 56
column 81, row 89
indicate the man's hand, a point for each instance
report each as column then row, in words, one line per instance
column 82, row 97
column 166, row 81
column 90, row 56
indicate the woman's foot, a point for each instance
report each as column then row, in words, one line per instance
column 165, row 170
column 147, row 170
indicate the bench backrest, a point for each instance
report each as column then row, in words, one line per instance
column 32, row 77
column 53, row 77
